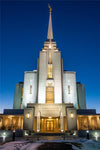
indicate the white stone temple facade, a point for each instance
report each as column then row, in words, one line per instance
column 50, row 83
column 50, row 93
column 50, row 100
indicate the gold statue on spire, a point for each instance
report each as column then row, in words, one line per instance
column 50, row 9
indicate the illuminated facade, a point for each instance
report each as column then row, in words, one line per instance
column 49, row 92
column 50, row 99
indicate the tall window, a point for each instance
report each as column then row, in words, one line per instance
column 21, row 105
column 68, row 89
column 22, row 93
column 49, row 57
column 30, row 89
column 49, row 70
column 49, row 94
column 21, row 99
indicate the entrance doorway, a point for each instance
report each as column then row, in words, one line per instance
column 50, row 124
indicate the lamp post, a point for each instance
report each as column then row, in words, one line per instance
column 72, row 115
column 87, row 134
column 13, row 135
column 28, row 115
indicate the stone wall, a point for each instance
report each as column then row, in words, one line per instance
column 43, row 62
column 69, row 79
column 18, row 95
column 30, row 80
column 56, row 61
column 81, row 96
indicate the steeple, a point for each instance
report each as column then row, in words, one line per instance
column 50, row 31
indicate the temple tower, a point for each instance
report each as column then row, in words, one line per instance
column 50, row 70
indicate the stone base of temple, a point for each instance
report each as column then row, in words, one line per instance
column 49, row 118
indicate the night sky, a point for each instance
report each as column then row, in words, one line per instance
column 76, row 29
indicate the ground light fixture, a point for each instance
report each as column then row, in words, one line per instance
column 96, row 135
column 62, row 131
column 4, row 135
column 26, row 133
column 38, row 130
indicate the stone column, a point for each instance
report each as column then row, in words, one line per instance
column 19, row 122
column 1, row 122
column 98, row 123
column 61, row 122
column 89, row 123
column 22, row 122
column 38, row 122
column 78, row 123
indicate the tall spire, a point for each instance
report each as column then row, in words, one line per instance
column 50, row 31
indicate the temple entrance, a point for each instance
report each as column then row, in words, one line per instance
column 50, row 124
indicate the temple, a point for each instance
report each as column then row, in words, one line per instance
column 50, row 99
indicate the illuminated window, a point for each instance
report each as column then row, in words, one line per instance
column 49, row 94
column 49, row 57
column 49, row 70
column 30, row 89
column 68, row 89
column 21, row 104
column 22, row 93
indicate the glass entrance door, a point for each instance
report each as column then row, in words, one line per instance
column 50, row 125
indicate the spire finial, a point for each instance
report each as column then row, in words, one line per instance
column 50, row 30
column 50, row 9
